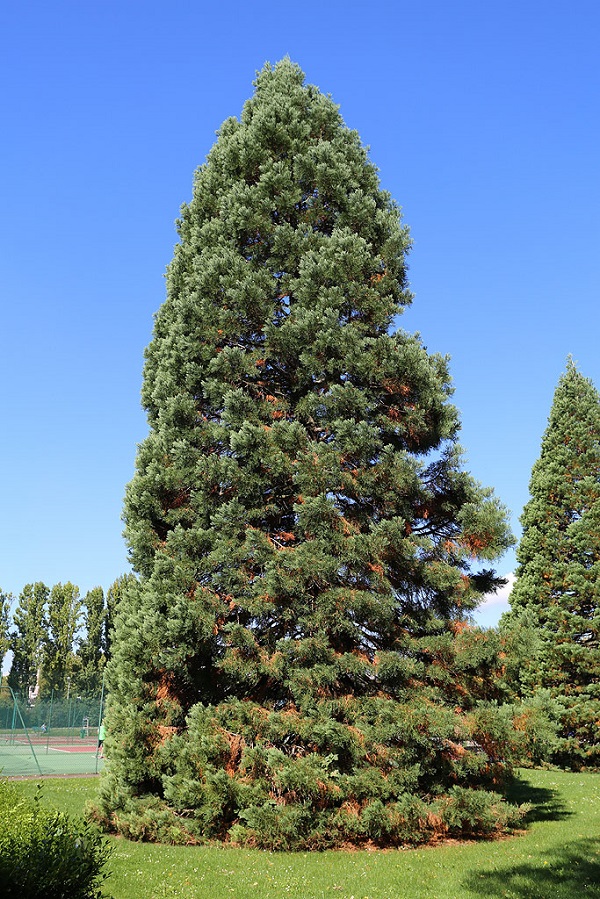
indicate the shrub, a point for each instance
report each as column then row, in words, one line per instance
column 470, row 813
column 45, row 853
column 536, row 722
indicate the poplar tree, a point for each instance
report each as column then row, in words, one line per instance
column 29, row 637
column 64, row 621
column 558, row 576
column 5, row 604
column 91, row 654
column 291, row 670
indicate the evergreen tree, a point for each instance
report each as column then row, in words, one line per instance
column 291, row 669
column 558, row 576
column 114, row 594
column 64, row 620
column 28, row 640
column 91, row 655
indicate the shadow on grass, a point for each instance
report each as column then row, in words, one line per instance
column 566, row 872
column 546, row 805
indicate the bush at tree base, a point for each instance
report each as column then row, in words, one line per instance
column 44, row 853
column 293, row 668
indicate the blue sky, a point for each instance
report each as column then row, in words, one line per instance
column 483, row 119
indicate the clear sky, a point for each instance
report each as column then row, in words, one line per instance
column 484, row 120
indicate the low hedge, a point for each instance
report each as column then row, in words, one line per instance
column 45, row 853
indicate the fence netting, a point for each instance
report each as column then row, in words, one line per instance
column 56, row 735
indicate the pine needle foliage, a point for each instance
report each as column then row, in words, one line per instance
column 557, row 585
column 291, row 670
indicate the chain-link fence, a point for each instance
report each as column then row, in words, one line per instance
column 56, row 735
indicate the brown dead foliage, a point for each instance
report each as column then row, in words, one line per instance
column 474, row 543
column 179, row 499
column 391, row 385
column 166, row 690
column 436, row 824
column 165, row 732
column 352, row 807
column 454, row 750
column 357, row 733
column 236, row 746
column 457, row 627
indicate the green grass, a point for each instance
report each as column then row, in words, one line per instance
column 558, row 856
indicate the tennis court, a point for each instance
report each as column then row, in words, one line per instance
column 54, row 756
column 58, row 736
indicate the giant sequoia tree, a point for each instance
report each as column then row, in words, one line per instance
column 291, row 668
column 558, row 578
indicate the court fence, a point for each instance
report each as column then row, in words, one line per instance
column 57, row 735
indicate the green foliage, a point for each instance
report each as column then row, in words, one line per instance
column 59, row 639
column 557, row 856
column 554, row 601
column 44, row 853
column 5, row 604
column 29, row 638
column 114, row 595
column 291, row 669
column 64, row 621
column 521, row 651
column 91, row 656
column 537, row 723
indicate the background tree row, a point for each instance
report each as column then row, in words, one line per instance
column 60, row 641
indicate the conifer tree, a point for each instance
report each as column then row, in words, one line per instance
column 114, row 595
column 29, row 637
column 291, row 669
column 558, row 576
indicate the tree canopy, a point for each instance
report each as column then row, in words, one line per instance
column 28, row 640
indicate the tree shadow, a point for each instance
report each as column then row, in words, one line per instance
column 566, row 872
column 546, row 804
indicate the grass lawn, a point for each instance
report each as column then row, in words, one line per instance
column 559, row 856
